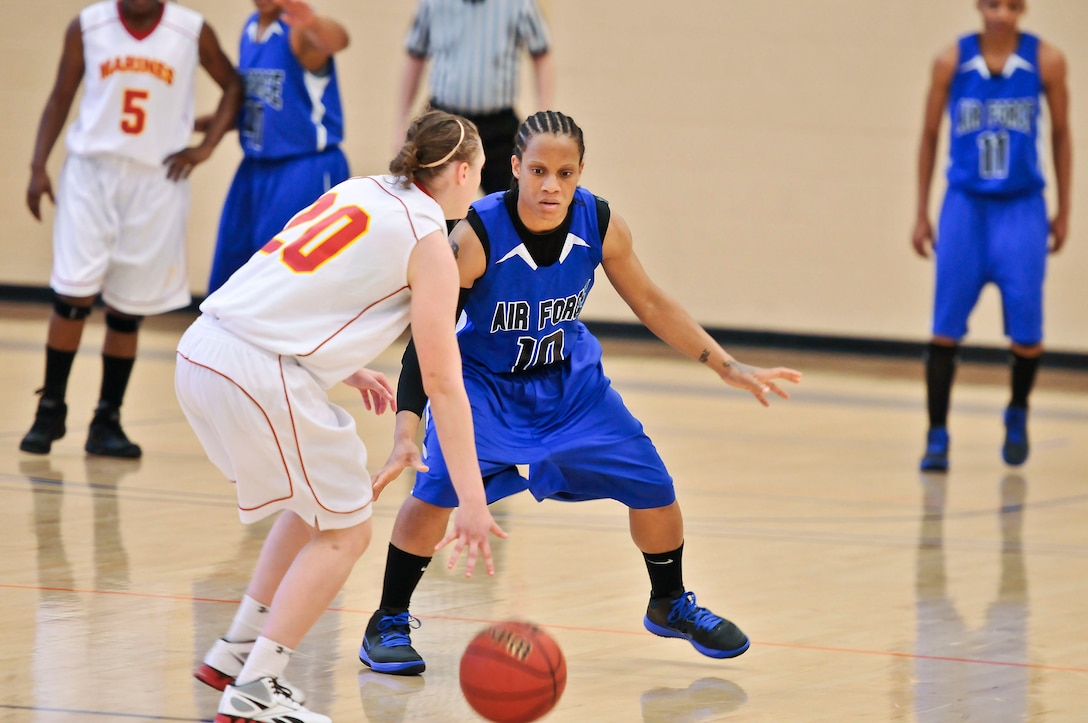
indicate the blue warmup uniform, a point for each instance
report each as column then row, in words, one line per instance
column 993, row 225
column 534, row 378
column 290, row 128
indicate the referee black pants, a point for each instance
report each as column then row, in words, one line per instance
column 497, row 131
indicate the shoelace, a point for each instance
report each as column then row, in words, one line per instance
column 395, row 629
column 281, row 689
column 684, row 608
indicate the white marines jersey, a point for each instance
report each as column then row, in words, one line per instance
column 138, row 94
column 331, row 289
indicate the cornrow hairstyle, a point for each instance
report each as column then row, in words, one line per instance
column 434, row 140
column 548, row 121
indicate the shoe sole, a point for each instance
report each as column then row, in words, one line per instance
column 933, row 465
column 1014, row 454
column 410, row 668
column 709, row 652
column 126, row 454
column 212, row 678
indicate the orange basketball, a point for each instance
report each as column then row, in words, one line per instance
column 513, row 672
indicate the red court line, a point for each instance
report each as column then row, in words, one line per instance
column 575, row 628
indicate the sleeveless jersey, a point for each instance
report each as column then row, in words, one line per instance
column 521, row 316
column 331, row 289
column 138, row 95
column 288, row 111
column 995, row 121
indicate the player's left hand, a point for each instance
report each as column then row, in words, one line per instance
column 376, row 390
column 179, row 165
column 1059, row 228
column 757, row 380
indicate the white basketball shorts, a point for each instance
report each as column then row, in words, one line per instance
column 268, row 426
column 120, row 230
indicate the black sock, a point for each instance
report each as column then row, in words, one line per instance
column 1023, row 378
column 58, row 367
column 116, row 371
column 940, row 370
column 403, row 571
column 666, row 573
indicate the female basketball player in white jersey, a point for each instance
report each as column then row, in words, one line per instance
column 332, row 290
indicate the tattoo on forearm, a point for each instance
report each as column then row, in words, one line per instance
column 455, row 247
column 704, row 356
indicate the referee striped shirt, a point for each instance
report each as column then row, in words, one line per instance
column 473, row 47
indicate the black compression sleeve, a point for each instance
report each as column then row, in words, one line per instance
column 411, row 396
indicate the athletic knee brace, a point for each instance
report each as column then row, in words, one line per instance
column 68, row 311
column 123, row 324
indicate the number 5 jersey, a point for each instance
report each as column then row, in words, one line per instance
column 138, row 92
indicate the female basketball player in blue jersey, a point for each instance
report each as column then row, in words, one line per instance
column 993, row 224
column 290, row 127
column 539, row 395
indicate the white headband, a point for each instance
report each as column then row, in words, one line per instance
column 449, row 155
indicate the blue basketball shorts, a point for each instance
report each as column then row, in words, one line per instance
column 567, row 424
column 263, row 197
column 999, row 240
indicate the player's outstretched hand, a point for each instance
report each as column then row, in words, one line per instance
column 40, row 185
column 179, row 165
column 405, row 454
column 296, row 13
column 757, row 380
column 471, row 526
column 376, row 390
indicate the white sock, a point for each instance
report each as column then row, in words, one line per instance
column 248, row 621
column 268, row 659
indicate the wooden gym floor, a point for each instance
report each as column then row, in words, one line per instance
column 870, row 592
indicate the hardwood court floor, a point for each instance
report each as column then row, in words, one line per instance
column 871, row 593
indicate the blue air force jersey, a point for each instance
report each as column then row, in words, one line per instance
column 995, row 121
column 522, row 316
column 288, row 111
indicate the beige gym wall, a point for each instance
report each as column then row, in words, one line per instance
column 763, row 151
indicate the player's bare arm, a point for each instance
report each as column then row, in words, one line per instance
column 944, row 69
column 212, row 58
column 69, row 76
column 469, row 254
column 1052, row 70
column 671, row 323
column 432, row 275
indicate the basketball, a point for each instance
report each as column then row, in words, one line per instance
column 513, row 672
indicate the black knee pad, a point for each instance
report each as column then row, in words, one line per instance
column 123, row 324
column 67, row 311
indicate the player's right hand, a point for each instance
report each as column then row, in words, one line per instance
column 39, row 185
column 922, row 238
column 471, row 526
column 405, row 454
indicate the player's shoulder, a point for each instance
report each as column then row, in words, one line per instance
column 98, row 13
column 183, row 16
column 1050, row 57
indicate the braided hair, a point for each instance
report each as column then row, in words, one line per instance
column 548, row 121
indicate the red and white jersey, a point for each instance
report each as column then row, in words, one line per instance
column 331, row 289
column 138, row 94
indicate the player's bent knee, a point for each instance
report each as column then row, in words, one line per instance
column 123, row 323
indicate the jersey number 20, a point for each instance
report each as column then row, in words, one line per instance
column 324, row 238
